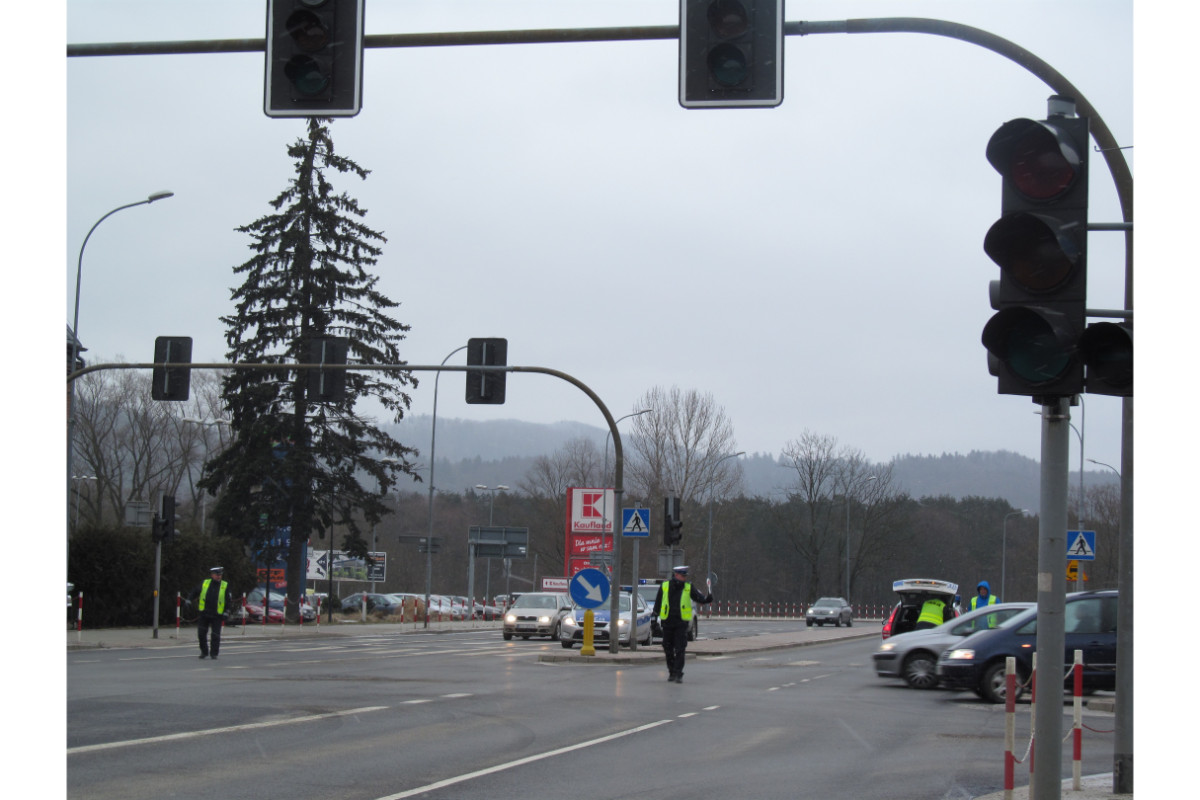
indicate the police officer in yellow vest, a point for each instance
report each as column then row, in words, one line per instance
column 214, row 599
column 933, row 613
column 674, row 606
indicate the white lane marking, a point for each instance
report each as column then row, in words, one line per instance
column 520, row 762
column 195, row 734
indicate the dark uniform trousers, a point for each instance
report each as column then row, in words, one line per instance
column 674, row 642
column 207, row 625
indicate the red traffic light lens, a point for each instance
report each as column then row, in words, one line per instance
column 728, row 18
column 1039, row 169
column 1037, row 159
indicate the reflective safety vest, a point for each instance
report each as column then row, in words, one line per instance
column 991, row 601
column 932, row 611
column 685, row 602
column 222, row 591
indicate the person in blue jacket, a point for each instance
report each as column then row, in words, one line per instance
column 983, row 596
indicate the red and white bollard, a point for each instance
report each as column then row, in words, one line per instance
column 79, row 617
column 178, row 600
column 1077, row 732
column 1010, row 723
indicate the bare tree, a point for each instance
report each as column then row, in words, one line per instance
column 677, row 446
column 576, row 463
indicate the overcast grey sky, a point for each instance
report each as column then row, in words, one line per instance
column 816, row 266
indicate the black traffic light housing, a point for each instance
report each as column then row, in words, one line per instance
column 171, row 383
column 672, row 526
column 1107, row 350
column 1040, row 244
column 163, row 526
column 314, row 58
column 486, row 387
column 327, row 385
column 730, row 53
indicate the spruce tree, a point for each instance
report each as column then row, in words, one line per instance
column 296, row 464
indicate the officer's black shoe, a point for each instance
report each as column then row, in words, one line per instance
column 678, row 678
column 214, row 658
column 203, row 656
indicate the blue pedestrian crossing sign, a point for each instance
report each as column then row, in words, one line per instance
column 589, row 588
column 1081, row 545
column 635, row 522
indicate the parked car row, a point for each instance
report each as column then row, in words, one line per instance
column 970, row 651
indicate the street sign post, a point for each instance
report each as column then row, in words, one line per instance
column 589, row 590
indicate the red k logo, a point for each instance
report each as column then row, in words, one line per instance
column 591, row 502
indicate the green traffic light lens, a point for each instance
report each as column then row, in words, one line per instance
column 306, row 75
column 1032, row 350
column 727, row 64
column 728, row 18
column 307, row 31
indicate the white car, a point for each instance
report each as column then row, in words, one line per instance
column 571, row 631
column 536, row 614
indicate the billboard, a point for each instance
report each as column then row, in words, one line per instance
column 345, row 567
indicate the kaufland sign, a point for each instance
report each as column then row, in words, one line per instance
column 590, row 510
column 590, row 514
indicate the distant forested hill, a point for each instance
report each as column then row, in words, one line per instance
column 502, row 451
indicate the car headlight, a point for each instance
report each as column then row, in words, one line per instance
column 621, row 623
column 544, row 620
column 511, row 618
column 886, row 647
column 569, row 621
column 965, row 654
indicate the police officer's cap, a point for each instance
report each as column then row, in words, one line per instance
column 681, row 569
column 217, row 570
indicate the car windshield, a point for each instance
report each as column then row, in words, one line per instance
column 827, row 602
column 535, row 601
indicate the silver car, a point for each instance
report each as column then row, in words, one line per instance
column 536, row 614
column 913, row 656
column 833, row 610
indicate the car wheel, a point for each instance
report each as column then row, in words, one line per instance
column 849, row 622
column 808, row 623
column 837, row 623
column 920, row 670
column 691, row 636
column 568, row 645
column 507, row 636
column 525, row 637
column 993, row 685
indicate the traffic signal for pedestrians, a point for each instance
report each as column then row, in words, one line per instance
column 327, row 385
column 314, row 58
column 486, row 387
column 730, row 53
column 171, row 383
column 672, row 534
column 1040, row 244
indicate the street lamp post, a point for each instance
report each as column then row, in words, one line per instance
column 604, row 479
column 1004, row 547
column 205, row 423
column 491, row 516
column 75, row 344
column 432, row 457
column 374, row 538
column 708, row 565
column 78, row 493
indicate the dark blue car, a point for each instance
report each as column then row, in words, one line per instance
column 977, row 663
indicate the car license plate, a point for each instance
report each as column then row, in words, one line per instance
column 527, row 627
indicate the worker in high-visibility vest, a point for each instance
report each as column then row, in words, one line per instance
column 214, row 598
column 674, row 606
column 933, row 613
column 984, row 597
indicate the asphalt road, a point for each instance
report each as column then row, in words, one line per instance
column 466, row 715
